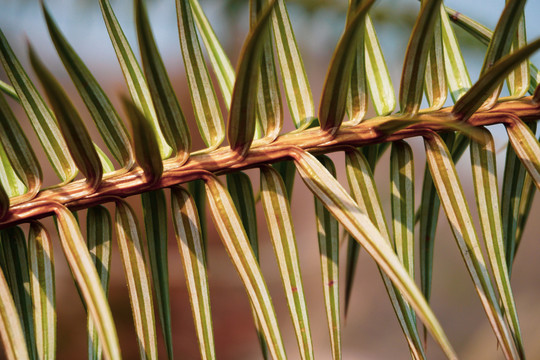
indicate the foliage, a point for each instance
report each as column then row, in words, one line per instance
column 156, row 158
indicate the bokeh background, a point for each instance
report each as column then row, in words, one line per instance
column 370, row 330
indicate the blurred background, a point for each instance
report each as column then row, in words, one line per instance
column 370, row 329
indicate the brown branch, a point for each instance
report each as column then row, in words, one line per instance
column 77, row 195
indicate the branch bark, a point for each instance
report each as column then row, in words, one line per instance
column 76, row 195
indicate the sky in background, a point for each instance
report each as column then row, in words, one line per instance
column 81, row 22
